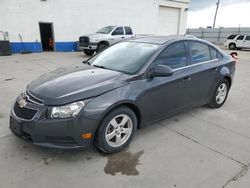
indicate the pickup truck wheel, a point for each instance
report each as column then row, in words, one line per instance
column 101, row 47
column 89, row 52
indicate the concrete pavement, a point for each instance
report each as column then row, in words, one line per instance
column 200, row 148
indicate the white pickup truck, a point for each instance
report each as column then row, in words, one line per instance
column 104, row 37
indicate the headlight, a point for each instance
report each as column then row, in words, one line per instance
column 70, row 110
column 94, row 39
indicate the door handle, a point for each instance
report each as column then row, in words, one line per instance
column 122, row 37
column 186, row 79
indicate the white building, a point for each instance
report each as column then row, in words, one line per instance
column 66, row 20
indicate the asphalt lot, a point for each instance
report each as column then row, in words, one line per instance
column 200, row 148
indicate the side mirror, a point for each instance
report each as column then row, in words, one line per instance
column 162, row 71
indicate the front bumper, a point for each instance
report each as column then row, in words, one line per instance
column 90, row 46
column 54, row 133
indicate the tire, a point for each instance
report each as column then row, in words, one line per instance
column 107, row 136
column 101, row 47
column 221, row 89
column 232, row 46
column 89, row 52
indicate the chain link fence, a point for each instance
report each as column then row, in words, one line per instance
column 217, row 35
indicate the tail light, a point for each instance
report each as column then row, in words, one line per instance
column 234, row 55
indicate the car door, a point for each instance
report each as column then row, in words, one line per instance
column 204, row 71
column 239, row 41
column 117, row 34
column 246, row 42
column 167, row 95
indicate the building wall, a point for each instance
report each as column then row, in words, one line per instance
column 74, row 18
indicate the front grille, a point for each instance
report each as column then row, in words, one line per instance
column 32, row 99
column 24, row 113
column 84, row 41
column 27, row 137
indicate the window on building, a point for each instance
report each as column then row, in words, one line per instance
column 174, row 56
column 199, row 52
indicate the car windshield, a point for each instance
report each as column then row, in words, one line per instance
column 126, row 57
column 106, row 30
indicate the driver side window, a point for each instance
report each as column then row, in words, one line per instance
column 174, row 56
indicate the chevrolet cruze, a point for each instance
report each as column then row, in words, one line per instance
column 104, row 100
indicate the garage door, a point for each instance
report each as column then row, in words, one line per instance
column 168, row 21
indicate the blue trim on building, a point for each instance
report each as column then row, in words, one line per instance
column 17, row 47
column 65, row 46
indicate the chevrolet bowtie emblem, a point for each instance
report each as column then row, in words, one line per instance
column 21, row 101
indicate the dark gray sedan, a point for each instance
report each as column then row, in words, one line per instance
column 130, row 84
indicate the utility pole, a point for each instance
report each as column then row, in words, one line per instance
column 215, row 16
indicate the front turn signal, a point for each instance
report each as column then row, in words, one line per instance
column 87, row 135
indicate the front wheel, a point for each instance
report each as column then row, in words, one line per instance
column 220, row 94
column 116, row 130
column 89, row 52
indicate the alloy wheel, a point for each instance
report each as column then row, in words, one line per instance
column 221, row 93
column 119, row 130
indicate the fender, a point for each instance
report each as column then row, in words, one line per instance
column 97, row 109
column 224, row 71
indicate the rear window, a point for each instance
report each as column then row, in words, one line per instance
column 231, row 36
column 199, row 52
column 214, row 53
column 247, row 37
column 128, row 31
column 240, row 37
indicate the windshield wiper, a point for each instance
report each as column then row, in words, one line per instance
column 86, row 62
column 99, row 66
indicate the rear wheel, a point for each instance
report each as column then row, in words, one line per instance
column 220, row 94
column 232, row 46
column 116, row 130
column 89, row 52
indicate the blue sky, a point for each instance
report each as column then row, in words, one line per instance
column 232, row 13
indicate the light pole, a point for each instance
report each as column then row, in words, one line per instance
column 215, row 16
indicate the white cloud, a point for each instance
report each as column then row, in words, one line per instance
column 228, row 16
column 196, row 5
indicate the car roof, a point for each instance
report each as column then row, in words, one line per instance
column 157, row 39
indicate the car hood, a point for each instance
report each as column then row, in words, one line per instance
column 69, row 84
column 96, row 35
